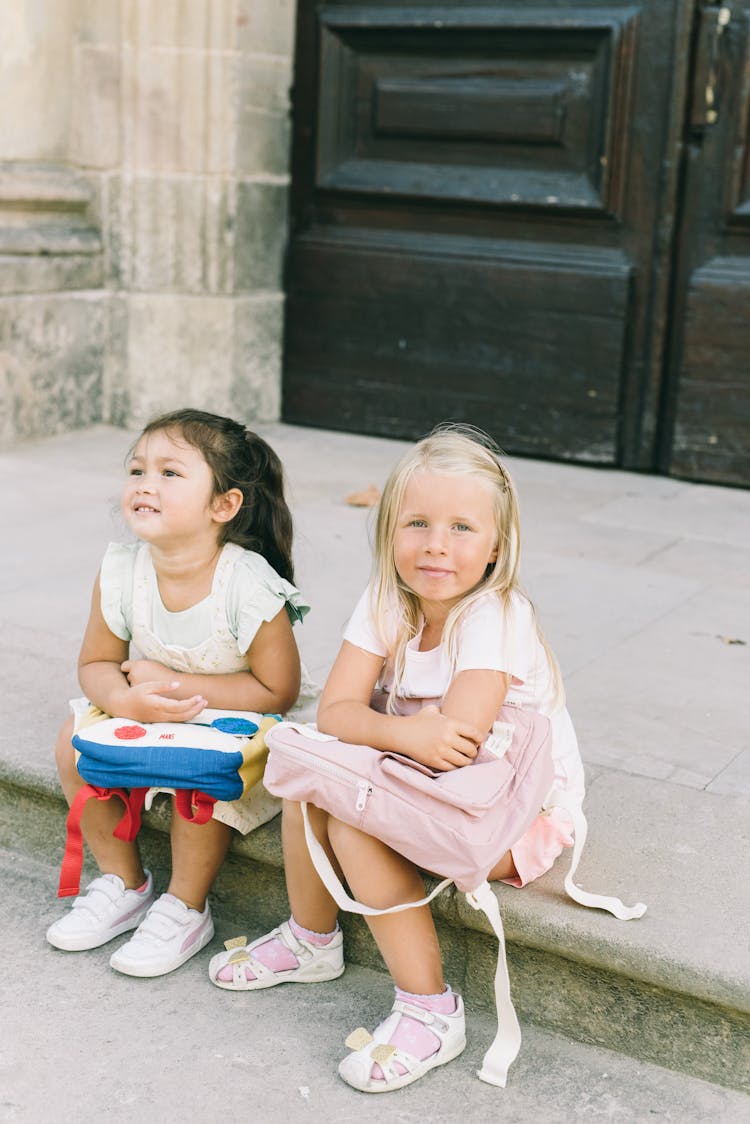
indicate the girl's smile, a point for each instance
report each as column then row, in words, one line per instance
column 445, row 537
column 168, row 490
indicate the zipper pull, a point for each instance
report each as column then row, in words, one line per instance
column 363, row 791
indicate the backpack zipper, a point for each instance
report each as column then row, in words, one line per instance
column 337, row 772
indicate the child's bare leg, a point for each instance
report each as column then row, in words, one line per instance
column 99, row 819
column 503, row 868
column 198, row 850
column 309, row 947
column 117, row 901
column 310, row 902
column 426, row 1026
column 379, row 877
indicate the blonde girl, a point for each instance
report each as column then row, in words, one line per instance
column 441, row 638
column 205, row 597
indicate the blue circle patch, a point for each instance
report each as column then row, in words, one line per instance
column 229, row 725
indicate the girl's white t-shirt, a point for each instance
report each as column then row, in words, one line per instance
column 489, row 637
column 255, row 593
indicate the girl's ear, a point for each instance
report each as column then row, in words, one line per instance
column 225, row 506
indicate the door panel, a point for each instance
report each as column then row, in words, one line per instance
column 707, row 415
column 481, row 220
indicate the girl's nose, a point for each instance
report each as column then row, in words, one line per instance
column 436, row 543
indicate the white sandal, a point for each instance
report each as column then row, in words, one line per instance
column 316, row 963
column 369, row 1049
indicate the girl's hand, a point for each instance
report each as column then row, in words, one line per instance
column 144, row 671
column 438, row 741
column 149, row 702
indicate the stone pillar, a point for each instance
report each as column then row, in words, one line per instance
column 53, row 323
column 180, row 125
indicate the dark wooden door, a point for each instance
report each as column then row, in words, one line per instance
column 482, row 225
column 706, row 417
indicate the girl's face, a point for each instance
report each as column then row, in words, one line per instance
column 168, row 494
column 445, row 538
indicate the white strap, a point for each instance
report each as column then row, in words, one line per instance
column 507, row 1041
column 561, row 799
column 331, row 881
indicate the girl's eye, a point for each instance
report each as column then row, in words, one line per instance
column 170, row 472
column 417, row 523
column 135, row 472
column 462, row 526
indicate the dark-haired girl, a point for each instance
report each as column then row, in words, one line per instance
column 205, row 596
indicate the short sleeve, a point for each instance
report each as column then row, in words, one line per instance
column 116, row 583
column 257, row 594
column 361, row 631
column 493, row 637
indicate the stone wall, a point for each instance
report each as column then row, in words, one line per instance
column 143, row 185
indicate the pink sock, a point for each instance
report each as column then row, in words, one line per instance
column 276, row 956
column 411, row 1035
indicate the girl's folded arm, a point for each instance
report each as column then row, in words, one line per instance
column 344, row 708
column 476, row 696
column 438, row 740
column 99, row 661
column 269, row 685
column 106, row 685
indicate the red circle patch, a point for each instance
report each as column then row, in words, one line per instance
column 129, row 733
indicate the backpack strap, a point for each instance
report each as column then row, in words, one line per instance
column 507, row 1041
column 127, row 829
column 193, row 806
column 332, row 883
column 561, row 799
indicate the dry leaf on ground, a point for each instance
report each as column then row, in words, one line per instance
column 368, row 498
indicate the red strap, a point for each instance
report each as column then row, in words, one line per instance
column 185, row 800
column 127, row 829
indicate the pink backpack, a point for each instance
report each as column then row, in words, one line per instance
column 456, row 824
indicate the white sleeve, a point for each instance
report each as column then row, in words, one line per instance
column 256, row 593
column 360, row 630
column 492, row 637
column 116, row 585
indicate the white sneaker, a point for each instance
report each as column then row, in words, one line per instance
column 102, row 912
column 170, row 934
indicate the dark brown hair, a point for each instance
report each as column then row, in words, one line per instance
column 239, row 458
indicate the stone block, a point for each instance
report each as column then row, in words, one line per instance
column 263, row 126
column 180, row 23
column 261, row 230
column 99, row 23
column 35, row 80
column 266, row 26
column 169, row 234
column 95, row 115
column 256, row 365
column 179, row 354
column 179, row 109
column 47, row 273
column 51, row 363
column 263, row 142
column 115, row 388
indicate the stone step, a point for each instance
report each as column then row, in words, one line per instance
column 91, row 1042
column 672, row 989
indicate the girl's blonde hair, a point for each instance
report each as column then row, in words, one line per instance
column 449, row 450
